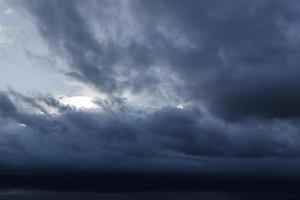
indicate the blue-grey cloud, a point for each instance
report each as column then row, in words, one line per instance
column 233, row 65
column 243, row 59
column 238, row 58
column 166, row 139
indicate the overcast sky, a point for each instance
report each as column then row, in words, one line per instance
column 161, row 85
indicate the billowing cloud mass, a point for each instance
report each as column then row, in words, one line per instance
column 217, row 84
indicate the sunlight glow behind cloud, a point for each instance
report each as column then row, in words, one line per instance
column 79, row 102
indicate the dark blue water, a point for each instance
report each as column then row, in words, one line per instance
column 203, row 195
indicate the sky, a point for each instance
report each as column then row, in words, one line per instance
column 161, row 86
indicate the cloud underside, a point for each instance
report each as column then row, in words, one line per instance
column 167, row 139
column 234, row 64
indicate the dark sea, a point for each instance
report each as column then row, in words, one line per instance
column 182, row 195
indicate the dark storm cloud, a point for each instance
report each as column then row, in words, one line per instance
column 239, row 58
column 66, row 31
column 227, row 60
column 66, row 26
column 7, row 107
column 243, row 61
column 164, row 140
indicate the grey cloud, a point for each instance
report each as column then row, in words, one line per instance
column 167, row 139
column 7, row 107
column 238, row 58
column 107, row 65
column 242, row 63
column 66, row 31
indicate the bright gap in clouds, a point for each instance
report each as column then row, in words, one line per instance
column 79, row 102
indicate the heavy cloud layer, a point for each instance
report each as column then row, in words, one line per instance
column 233, row 64
column 166, row 139
column 239, row 59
